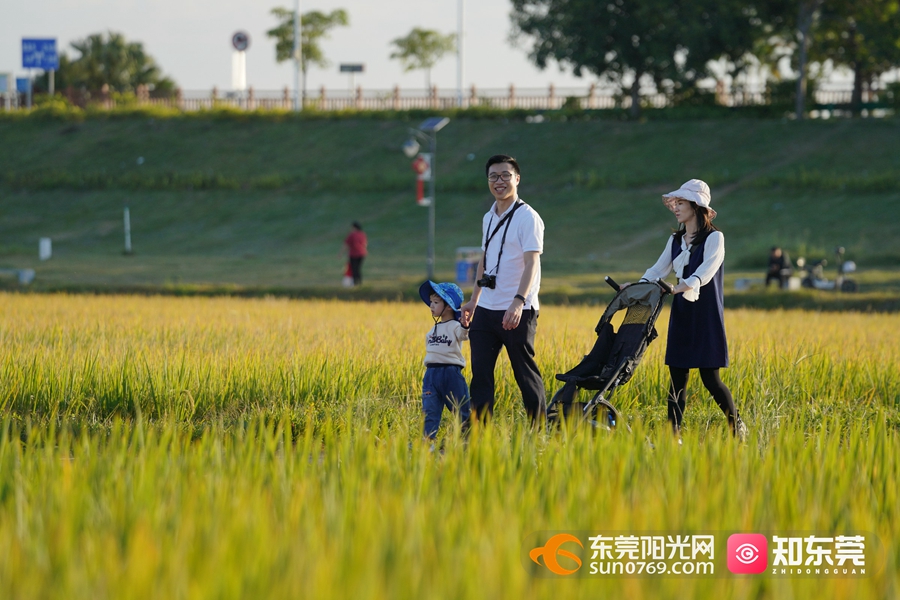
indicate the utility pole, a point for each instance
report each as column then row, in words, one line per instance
column 460, row 30
column 298, row 56
column 806, row 16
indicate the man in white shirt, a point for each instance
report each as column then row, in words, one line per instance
column 503, row 310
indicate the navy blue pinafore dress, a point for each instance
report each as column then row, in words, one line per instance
column 697, row 329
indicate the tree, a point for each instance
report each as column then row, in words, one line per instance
column 863, row 35
column 110, row 60
column 788, row 33
column 422, row 49
column 807, row 13
column 668, row 41
column 314, row 26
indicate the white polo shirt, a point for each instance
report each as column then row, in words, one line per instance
column 525, row 234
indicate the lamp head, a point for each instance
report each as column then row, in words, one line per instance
column 410, row 148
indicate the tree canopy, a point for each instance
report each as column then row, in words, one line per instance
column 314, row 27
column 668, row 41
column 863, row 35
column 110, row 60
column 422, row 49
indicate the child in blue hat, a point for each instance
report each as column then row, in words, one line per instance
column 443, row 384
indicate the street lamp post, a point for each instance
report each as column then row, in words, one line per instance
column 427, row 132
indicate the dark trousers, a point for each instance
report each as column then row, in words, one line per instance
column 781, row 279
column 356, row 269
column 486, row 338
column 714, row 385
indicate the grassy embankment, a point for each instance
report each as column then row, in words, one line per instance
column 256, row 206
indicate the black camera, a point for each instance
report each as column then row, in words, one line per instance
column 488, row 281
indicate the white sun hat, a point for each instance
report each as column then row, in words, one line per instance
column 695, row 191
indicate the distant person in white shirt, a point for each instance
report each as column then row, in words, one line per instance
column 443, row 384
column 503, row 310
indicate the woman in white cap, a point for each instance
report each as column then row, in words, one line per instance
column 696, row 252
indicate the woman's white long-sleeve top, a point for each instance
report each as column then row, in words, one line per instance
column 713, row 257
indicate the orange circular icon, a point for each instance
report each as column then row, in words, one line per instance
column 551, row 552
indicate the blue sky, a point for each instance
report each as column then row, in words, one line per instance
column 190, row 39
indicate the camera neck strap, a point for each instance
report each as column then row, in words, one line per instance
column 487, row 242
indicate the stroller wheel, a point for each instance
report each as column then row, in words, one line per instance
column 602, row 414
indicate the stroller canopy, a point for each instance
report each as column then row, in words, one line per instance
column 616, row 354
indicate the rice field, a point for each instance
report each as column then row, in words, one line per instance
column 223, row 448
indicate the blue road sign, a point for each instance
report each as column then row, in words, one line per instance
column 39, row 54
column 22, row 85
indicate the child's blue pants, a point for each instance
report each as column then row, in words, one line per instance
column 443, row 385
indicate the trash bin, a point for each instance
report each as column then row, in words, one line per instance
column 467, row 258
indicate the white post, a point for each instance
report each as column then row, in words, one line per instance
column 51, row 76
column 45, row 248
column 460, row 29
column 29, row 89
column 239, row 75
column 298, row 50
column 127, row 219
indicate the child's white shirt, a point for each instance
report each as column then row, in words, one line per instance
column 443, row 344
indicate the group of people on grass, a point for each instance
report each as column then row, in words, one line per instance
column 504, row 307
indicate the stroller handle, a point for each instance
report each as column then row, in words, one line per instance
column 665, row 285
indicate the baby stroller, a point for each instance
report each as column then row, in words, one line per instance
column 615, row 354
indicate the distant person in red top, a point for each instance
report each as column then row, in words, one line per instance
column 356, row 244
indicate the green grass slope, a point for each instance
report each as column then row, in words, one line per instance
column 265, row 204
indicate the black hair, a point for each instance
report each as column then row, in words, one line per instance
column 356, row 225
column 501, row 158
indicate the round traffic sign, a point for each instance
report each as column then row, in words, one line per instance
column 240, row 40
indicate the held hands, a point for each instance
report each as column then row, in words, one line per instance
column 511, row 318
column 467, row 310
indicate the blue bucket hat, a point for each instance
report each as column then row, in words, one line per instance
column 449, row 293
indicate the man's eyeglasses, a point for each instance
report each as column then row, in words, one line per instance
column 504, row 176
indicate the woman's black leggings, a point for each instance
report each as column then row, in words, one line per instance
column 711, row 381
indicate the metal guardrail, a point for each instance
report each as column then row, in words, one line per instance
column 549, row 98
